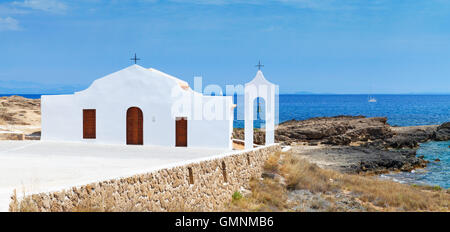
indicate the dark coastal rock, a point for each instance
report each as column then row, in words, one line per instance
column 379, row 161
column 344, row 130
column 411, row 136
column 402, row 142
column 36, row 133
column 339, row 130
column 443, row 132
column 338, row 140
column 368, row 159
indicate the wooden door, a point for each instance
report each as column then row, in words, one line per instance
column 181, row 132
column 135, row 126
column 89, row 124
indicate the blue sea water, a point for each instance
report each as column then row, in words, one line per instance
column 31, row 96
column 436, row 172
column 401, row 110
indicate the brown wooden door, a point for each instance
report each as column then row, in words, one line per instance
column 181, row 132
column 135, row 126
column 89, row 124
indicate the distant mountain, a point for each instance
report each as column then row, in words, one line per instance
column 304, row 93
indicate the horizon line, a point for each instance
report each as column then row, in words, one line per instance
column 424, row 93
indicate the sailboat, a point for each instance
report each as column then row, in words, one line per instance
column 371, row 99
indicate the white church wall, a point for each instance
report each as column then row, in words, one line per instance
column 214, row 134
column 113, row 95
column 135, row 86
column 213, row 126
column 60, row 118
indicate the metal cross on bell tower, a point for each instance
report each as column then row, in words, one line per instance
column 259, row 65
column 135, row 59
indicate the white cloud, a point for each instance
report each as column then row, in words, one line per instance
column 54, row 6
column 9, row 24
column 6, row 9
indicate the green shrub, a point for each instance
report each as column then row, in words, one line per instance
column 236, row 196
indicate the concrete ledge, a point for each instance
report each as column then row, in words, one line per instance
column 201, row 185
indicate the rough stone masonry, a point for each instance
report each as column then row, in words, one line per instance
column 203, row 186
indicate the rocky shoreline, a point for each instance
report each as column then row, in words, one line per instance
column 355, row 144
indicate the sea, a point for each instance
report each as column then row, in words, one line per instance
column 401, row 110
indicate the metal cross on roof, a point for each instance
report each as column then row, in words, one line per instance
column 259, row 65
column 135, row 58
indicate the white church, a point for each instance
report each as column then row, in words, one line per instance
column 139, row 106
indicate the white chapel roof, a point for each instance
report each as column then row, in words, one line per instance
column 259, row 80
column 181, row 83
column 133, row 69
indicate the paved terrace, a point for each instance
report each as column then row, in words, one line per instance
column 36, row 166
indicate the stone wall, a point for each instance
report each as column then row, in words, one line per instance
column 201, row 186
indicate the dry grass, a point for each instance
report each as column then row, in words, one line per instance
column 266, row 195
column 373, row 193
column 272, row 163
column 21, row 205
column 389, row 195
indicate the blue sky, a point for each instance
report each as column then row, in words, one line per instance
column 321, row 46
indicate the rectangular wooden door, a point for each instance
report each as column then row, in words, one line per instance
column 181, row 132
column 89, row 124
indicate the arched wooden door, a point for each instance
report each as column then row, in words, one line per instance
column 135, row 126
